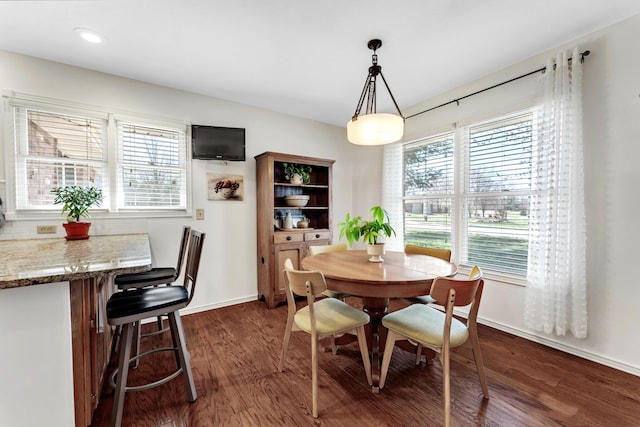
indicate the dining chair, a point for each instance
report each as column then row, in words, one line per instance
column 444, row 254
column 319, row 249
column 154, row 277
column 336, row 247
column 320, row 318
column 129, row 308
column 439, row 330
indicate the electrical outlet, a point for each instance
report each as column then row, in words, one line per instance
column 199, row 213
column 47, row 229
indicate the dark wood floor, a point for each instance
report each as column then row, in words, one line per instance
column 235, row 352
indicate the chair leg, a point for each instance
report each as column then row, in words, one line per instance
column 477, row 355
column 314, row 375
column 115, row 343
column 418, row 354
column 334, row 347
column 386, row 358
column 446, row 385
column 177, row 333
column 285, row 343
column 364, row 351
column 136, row 346
column 123, row 372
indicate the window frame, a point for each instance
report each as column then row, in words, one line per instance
column 109, row 208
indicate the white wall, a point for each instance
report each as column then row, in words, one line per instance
column 611, row 86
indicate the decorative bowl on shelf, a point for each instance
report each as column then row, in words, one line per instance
column 297, row 200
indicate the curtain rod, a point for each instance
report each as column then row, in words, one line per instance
column 457, row 100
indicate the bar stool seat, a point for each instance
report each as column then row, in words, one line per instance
column 155, row 276
column 123, row 306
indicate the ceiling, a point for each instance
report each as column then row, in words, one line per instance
column 302, row 57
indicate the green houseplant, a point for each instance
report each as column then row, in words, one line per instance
column 297, row 173
column 354, row 228
column 76, row 202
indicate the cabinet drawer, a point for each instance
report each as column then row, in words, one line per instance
column 316, row 235
column 287, row 237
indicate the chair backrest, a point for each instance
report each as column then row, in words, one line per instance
column 314, row 250
column 450, row 293
column 304, row 282
column 309, row 283
column 183, row 249
column 444, row 254
column 196, row 241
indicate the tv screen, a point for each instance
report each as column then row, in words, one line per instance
column 217, row 143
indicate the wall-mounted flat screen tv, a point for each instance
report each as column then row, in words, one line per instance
column 217, row 143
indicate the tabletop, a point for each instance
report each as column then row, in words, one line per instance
column 400, row 275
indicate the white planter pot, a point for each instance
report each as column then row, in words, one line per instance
column 376, row 251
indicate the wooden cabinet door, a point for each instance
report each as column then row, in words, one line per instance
column 295, row 252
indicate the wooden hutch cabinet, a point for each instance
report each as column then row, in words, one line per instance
column 276, row 244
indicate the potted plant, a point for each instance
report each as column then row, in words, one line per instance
column 76, row 202
column 355, row 228
column 297, row 173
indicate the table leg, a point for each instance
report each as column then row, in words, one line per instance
column 376, row 308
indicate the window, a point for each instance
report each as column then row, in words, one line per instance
column 469, row 190
column 429, row 192
column 55, row 149
column 151, row 168
column 145, row 169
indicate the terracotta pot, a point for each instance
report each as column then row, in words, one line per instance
column 77, row 230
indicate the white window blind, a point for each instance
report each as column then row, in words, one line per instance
column 152, row 167
column 429, row 191
column 54, row 149
column 497, row 193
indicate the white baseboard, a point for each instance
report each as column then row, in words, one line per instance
column 621, row 366
column 227, row 303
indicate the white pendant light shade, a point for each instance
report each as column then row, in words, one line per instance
column 375, row 129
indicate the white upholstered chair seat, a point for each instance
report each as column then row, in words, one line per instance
column 424, row 324
column 332, row 317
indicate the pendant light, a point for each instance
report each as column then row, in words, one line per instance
column 373, row 128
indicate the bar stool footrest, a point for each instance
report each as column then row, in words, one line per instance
column 112, row 379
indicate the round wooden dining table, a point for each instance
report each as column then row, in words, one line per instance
column 400, row 275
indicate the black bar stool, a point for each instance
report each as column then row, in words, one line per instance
column 154, row 277
column 127, row 309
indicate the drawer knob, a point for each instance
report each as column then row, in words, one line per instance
column 288, row 237
column 317, row 236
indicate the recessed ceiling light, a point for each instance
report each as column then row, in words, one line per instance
column 89, row 35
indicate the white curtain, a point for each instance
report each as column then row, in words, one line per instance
column 392, row 193
column 556, row 300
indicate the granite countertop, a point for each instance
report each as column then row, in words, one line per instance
column 34, row 261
